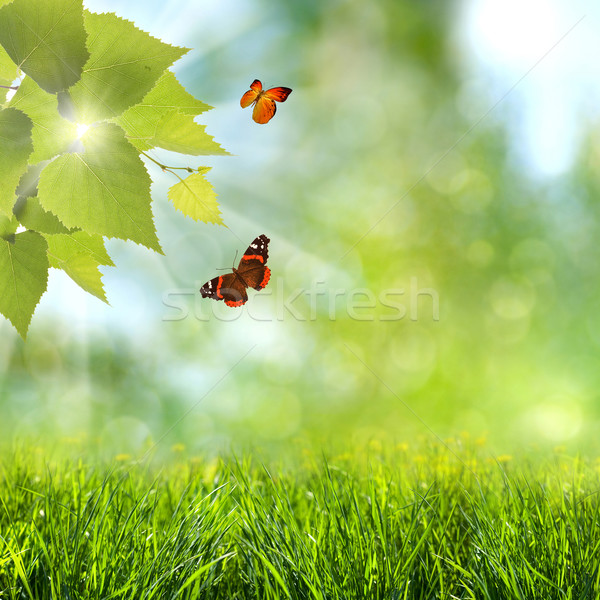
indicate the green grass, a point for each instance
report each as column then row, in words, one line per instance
column 395, row 525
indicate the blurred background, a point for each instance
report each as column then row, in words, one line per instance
column 430, row 189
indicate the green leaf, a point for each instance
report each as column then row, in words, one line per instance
column 15, row 148
column 29, row 180
column 139, row 122
column 23, row 277
column 104, row 190
column 84, row 271
column 32, row 216
column 46, row 39
column 8, row 227
column 124, row 65
column 8, row 69
column 67, row 246
column 180, row 133
column 168, row 94
column 51, row 133
column 196, row 198
column 79, row 255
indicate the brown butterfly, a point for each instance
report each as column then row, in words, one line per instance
column 251, row 272
column 264, row 100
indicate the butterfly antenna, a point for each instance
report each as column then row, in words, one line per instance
column 236, row 253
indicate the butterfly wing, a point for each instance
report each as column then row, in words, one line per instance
column 264, row 109
column 252, row 94
column 225, row 287
column 279, row 94
column 248, row 98
column 212, row 289
column 253, row 267
column 235, row 294
column 255, row 274
column 258, row 249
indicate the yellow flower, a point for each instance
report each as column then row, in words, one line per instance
column 342, row 457
column 504, row 458
column 122, row 457
column 177, row 447
column 375, row 445
column 70, row 440
column 210, row 470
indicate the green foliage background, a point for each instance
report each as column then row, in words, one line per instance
column 379, row 96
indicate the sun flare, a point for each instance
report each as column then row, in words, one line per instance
column 81, row 130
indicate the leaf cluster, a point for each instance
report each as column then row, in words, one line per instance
column 64, row 191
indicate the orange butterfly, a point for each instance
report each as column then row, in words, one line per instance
column 264, row 100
